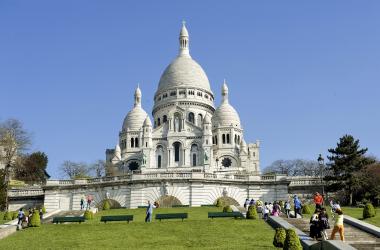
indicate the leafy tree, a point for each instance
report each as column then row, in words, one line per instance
column 369, row 189
column 32, row 168
column 14, row 139
column 346, row 159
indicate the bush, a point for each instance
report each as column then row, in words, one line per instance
column 292, row 242
column 106, row 205
column 369, row 211
column 35, row 220
column 43, row 210
column 219, row 203
column 88, row 215
column 227, row 209
column 306, row 209
column 281, row 203
column 252, row 213
column 7, row 216
column 279, row 237
column 14, row 215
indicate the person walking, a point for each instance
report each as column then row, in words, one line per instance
column 149, row 212
column 246, row 204
column 314, row 225
column 287, row 207
column 338, row 225
column 81, row 203
column 20, row 216
column 266, row 211
column 41, row 214
column 318, row 200
column 324, row 223
column 297, row 206
column 276, row 209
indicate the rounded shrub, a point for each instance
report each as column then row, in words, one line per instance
column 35, row 220
column 227, row 209
column 369, row 211
column 106, row 205
column 219, row 203
column 279, row 237
column 88, row 215
column 306, row 209
column 43, row 210
column 252, row 213
column 7, row 216
column 292, row 241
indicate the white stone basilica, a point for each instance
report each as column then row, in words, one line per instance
column 188, row 133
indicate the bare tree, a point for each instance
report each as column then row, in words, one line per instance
column 14, row 139
column 99, row 168
column 297, row 167
column 75, row 169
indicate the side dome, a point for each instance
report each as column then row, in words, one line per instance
column 225, row 114
column 136, row 117
column 184, row 72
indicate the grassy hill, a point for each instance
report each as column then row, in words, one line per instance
column 198, row 232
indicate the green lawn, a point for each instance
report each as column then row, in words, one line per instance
column 198, row 232
column 358, row 214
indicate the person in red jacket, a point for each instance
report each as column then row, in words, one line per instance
column 318, row 200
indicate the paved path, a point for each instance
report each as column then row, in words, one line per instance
column 353, row 236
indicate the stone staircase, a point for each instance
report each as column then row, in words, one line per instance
column 353, row 236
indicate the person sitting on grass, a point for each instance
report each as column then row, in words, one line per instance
column 338, row 225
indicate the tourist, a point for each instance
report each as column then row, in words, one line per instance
column 318, row 200
column 323, row 223
column 287, row 207
column 81, row 203
column 297, row 206
column 20, row 216
column 149, row 212
column 246, row 203
column 270, row 206
column 314, row 225
column 276, row 209
column 41, row 214
column 89, row 202
column 338, row 225
column 334, row 205
column 266, row 211
column 252, row 202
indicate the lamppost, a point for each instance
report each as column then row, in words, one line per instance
column 321, row 163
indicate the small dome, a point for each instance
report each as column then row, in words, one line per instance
column 147, row 122
column 135, row 119
column 226, row 115
column 184, row 72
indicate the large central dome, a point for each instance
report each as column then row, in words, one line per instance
column 184, row 72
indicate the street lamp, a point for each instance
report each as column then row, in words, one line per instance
column 321, row 163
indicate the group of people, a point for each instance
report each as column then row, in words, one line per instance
column 24, row 220
column 319, row 221
column 86, row 203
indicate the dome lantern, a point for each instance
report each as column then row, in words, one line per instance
column 184, row 41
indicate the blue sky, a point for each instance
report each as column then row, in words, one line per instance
column 300, row 73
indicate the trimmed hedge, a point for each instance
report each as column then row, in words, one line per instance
column 7, row 216
column 35, row 220
column 369, row 211
column 219, row 203
column 292, row 241
column 88, row 215
column 279, row 237
column 106, row 205
column 227, row 209
column 252, row 213
column 306, row 209
column 43, row 210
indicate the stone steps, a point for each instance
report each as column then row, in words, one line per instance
column 353, row 236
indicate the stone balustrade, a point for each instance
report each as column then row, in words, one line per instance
column 26, row 192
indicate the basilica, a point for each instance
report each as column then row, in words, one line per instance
column 187, row 132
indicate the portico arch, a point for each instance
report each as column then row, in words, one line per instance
column 168, row 201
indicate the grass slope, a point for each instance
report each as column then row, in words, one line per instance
column 358, row 214
column 198, row 232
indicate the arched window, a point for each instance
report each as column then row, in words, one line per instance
column 194, row 160
column 159, row 156
column 213, row 140
column 159, row 161
column 200, row 120
column 236, row 141
column 224, row 138
column 177, row 147
column 216, row 140
column 194, row 155
column 177, row 122
column 228, row 138
column 164, row 119
column 132, row 143
column 191, row 117
column 158, row 122
column 136, row 142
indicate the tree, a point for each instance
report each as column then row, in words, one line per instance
column 297, row 167
column 75, row 170
column 369, row 189
column 346, row 159
column 14, row 139
column 32, row 168
column 99, row 168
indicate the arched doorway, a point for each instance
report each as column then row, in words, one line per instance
column 134, row 165
column 227, row 201
column 168, row 201
column 113, row 203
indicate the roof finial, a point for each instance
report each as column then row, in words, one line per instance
column 138, row 96
column 184, row 41
column 225, row 91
